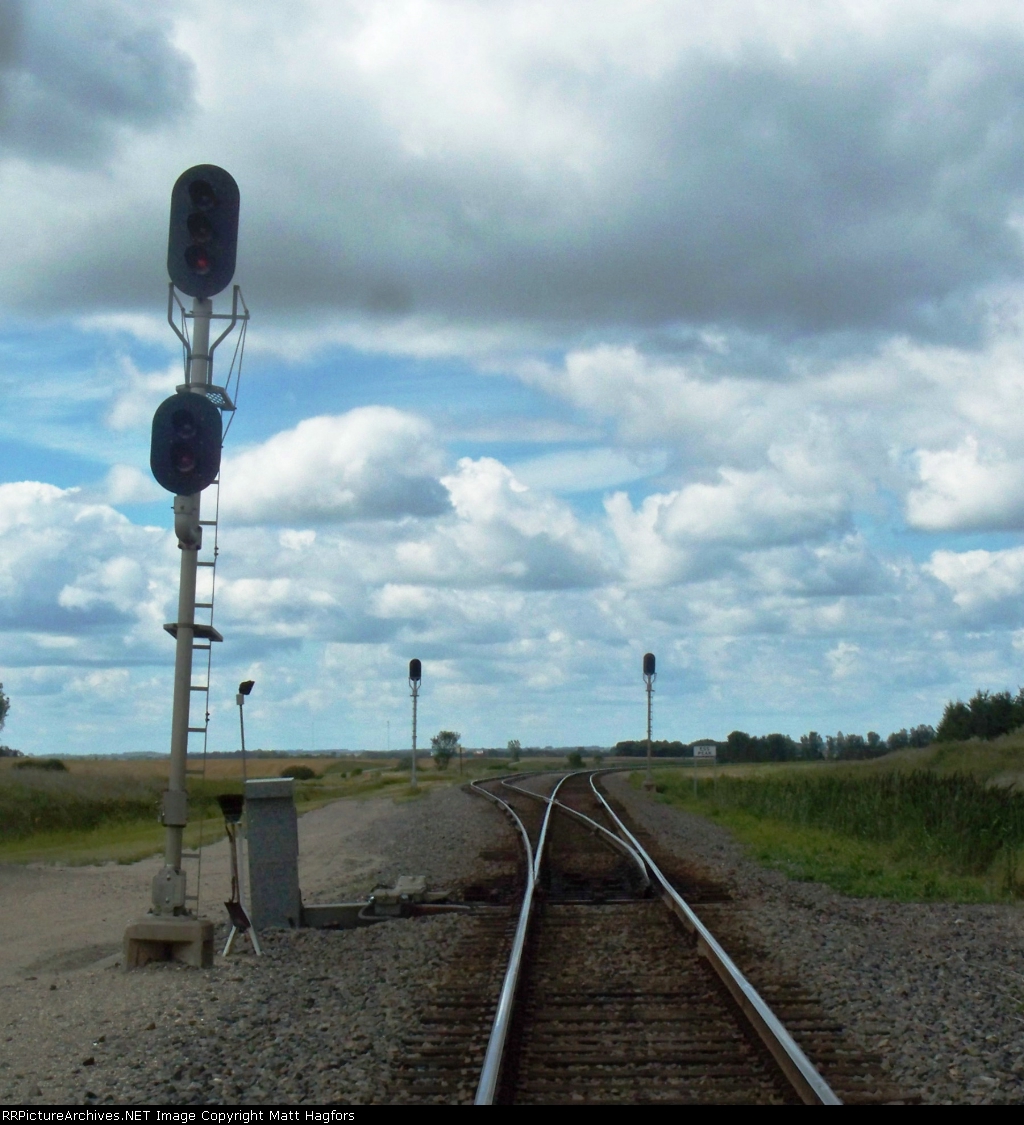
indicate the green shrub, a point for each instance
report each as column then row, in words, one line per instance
column 299, row 773
column 41, row 764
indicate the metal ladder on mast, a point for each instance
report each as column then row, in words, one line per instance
column 204, row 636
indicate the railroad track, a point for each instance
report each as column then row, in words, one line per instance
column 601, row 985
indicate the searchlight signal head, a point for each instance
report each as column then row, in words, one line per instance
column 648, row 665
column 415, row 671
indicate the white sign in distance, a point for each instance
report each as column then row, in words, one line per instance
column 709, row 752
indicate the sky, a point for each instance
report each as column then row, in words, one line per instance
column 578, row 331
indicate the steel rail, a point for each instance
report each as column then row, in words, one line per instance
column 616, row 842
column 490, row 1073
column 798, row 1068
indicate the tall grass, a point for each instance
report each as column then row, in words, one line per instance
column 952, row 818
column 36, row 801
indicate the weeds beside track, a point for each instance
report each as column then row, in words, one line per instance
column 939, row 834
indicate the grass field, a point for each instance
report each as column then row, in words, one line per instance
column 945, row 822
column 105, row 809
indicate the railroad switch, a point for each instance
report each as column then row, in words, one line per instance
column 401, row 900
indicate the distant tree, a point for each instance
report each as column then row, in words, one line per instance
column 778, row 747
column 637, row 748
column 443, row 746
column 852, row 747
column 739, row 747
column 898, row 740
column 812, row 745
column 5, row 706
column 987, row 715
column 924, row 735
column 514, row 749
column 875, row 742
column 575, row 759
column 955, row 724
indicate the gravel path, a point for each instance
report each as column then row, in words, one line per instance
column 936, row 990
column 315, row 1020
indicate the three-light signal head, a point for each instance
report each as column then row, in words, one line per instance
column 203, row 237
column 415, row 671
column 648, row 664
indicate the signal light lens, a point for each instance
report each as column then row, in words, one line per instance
column 200, row 227
column 184, row 424
column 183, row 458
column 202, row 195
column 197, row 259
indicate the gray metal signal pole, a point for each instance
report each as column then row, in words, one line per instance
column 169, row 885
column 415, row 697
column 169, row 926
column 649, row 676
column 415, row 672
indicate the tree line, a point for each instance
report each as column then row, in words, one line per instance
column 986, row 715
column 743, row 747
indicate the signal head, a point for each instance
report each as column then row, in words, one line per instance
column 203, row 237
column 185, row 450
column 415, row 671
column 648, row 663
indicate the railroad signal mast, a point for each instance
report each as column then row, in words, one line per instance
column 185, row 459
column 649, row 677
column 415, row 675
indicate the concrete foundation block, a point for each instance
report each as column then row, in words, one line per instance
column 169, row 938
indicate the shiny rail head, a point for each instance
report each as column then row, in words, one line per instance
column 798, row 1068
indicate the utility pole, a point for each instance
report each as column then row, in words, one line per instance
column 415, row 675
column 649, row 677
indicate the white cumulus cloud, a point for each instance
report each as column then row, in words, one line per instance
column 374, row 462
column 966, row 489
